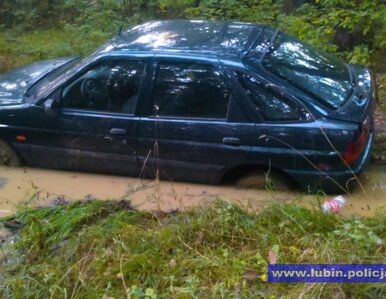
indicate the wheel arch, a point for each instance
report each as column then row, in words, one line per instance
column 10, row 151
column 235, row 173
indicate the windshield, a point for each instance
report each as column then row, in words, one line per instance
column 35, row 88
column 61, row 74
column 322, row 76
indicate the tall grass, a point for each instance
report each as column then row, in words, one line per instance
column 215, row 251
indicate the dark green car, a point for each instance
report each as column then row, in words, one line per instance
column 201, row 101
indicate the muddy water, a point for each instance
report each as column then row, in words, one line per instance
column 37, row 187
column 362, row 202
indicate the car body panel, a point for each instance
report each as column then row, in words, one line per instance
column 83, row 140
column 231, row 39
column 336, row 181
column 202, row 153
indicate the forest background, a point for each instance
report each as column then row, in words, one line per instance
column 31, row 30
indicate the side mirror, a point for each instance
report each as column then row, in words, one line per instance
column 51, row 107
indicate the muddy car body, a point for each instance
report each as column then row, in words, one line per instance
column 196, row 101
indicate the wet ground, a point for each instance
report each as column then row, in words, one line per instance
column 21, row 187
column 36, row 187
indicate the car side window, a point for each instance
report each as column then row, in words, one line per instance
column 190, row 90
column 110, row 86
column 271, row 105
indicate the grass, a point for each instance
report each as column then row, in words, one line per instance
column 101, row 249
column 34, row 46
column 19, row 48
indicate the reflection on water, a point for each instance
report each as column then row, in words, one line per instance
column 36, row 187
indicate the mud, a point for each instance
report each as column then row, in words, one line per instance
column 366, row 202
column 36, row 187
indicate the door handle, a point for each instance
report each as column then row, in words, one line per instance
column 118, row 132
column 231, row 141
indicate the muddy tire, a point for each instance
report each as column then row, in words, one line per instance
column 8, row 157
column 265, row 181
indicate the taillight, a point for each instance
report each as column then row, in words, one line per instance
column 355, row 149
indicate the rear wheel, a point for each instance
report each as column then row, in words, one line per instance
column 8, row 157
column 264, row 180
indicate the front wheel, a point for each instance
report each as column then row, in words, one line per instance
column 264, row 180
column 8, row 157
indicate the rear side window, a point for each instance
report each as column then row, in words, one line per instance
column 271, row 105
column 190, row 90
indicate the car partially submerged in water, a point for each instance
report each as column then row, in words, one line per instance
column 201, row 101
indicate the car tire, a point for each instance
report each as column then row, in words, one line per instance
column 8, row 157
column 264, row 180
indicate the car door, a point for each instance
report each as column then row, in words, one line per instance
column 287, row 136
column 96, row 127
column 187, row 132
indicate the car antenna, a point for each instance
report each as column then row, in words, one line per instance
column 120, row 30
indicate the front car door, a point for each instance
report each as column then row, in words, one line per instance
column 96, row 127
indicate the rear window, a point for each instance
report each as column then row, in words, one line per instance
column 322, row 76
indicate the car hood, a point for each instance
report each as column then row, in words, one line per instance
column 15, row 83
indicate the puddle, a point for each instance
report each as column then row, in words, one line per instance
column 366, row 203
column 37, row 187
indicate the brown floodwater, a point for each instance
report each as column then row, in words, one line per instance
column 20, row 187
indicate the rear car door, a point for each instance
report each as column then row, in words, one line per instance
column 96, row 126
column 288, row 136
column 188, row 130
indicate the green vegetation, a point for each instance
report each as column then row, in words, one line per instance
column 100, row 249
column 37, row 29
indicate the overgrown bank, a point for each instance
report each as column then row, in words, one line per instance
column 100, row 249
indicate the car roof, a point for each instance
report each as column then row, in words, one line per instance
column 214, row 38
